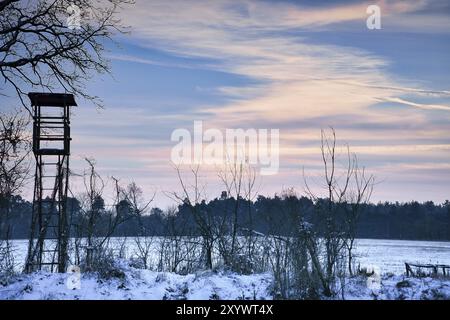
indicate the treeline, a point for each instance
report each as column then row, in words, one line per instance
column 266, row 215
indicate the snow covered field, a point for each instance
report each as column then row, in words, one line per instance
column 388, row 255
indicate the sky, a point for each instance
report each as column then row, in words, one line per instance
column 296, row 66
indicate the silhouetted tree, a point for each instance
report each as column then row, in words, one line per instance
column 39, row 48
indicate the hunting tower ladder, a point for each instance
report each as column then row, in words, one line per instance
column 47, row 249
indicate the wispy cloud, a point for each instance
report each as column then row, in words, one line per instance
column 251, row 38
column 293, row 78
column 135, row 59
column 417, row 105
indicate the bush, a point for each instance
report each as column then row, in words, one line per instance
column 242, row 264
column 6, row 262
column 403, row 284
column 105, row 265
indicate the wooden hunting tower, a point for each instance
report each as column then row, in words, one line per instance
column 51, row 147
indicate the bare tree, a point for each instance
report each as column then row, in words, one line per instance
column 139, row 205
column 39, row 48
column 360, row 194
column 14, row 171
column 14, row 161
column 117, row 215
column 98, row 224
column 92, row 206
column 238, row 179
column 333, row 234
column 232, row 178
column 134, row 197
column 179, row 248
column 347, row 188
column 143, row 250
column 286, row 246
column 14, row 152
column 192, row 195
column 251, row 190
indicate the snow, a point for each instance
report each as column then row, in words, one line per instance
column 399, row 287
column 150, row 285
column 387, row 257
column 390, row 255
column 142, row 285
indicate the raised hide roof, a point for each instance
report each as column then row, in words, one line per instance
column 52, row 99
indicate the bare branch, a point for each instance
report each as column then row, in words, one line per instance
column 39, row 51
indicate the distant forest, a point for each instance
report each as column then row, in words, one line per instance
column 265, row 215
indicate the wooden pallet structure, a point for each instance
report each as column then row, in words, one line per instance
column 420, row 270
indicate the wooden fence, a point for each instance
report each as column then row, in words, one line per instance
column 413, row 269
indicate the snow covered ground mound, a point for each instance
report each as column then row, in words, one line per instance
column 140, row 284
column 398, row 287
